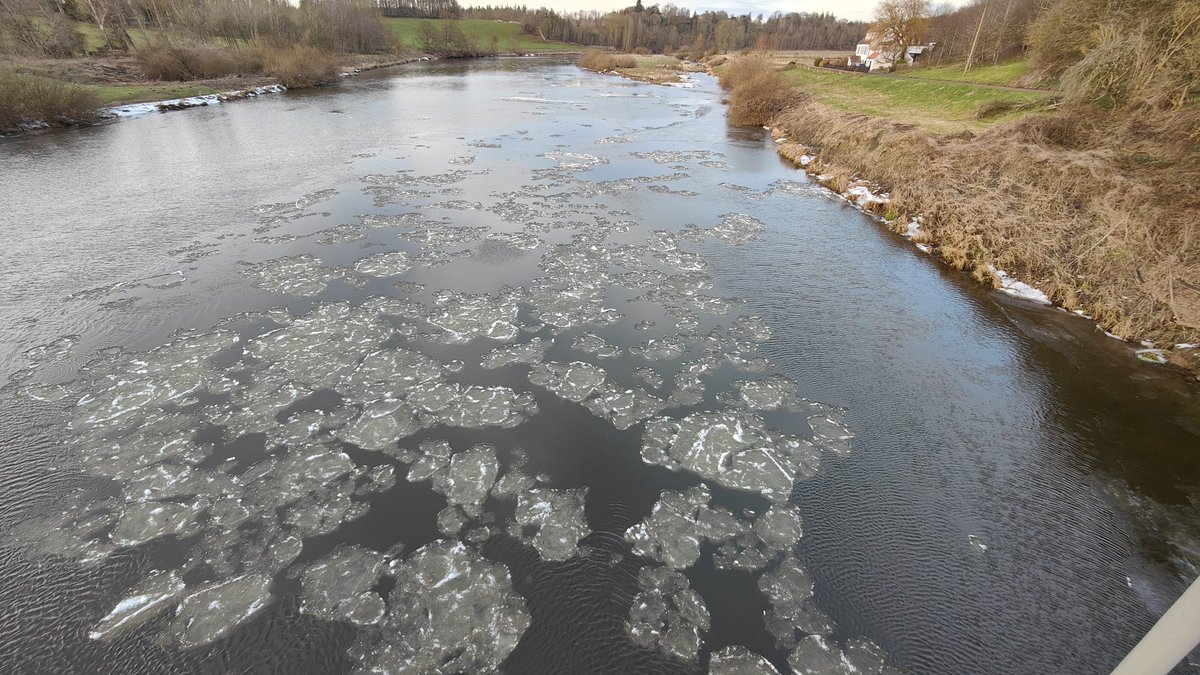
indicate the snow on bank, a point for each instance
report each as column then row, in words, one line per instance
column 135, row 109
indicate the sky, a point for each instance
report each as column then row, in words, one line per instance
column 861, row 10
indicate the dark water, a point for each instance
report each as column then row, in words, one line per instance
column 384, row 463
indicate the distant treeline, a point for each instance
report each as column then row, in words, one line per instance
column 424, row 9
column 668, row 28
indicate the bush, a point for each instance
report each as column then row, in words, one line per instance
column 641, row 51
column 758, row 98
column 601, row 61
column 741, row 69
column 817, row 62
column 186, row 62
column 299, row 67
column 52, row 36
column 28, row 98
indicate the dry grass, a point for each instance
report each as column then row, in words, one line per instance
column 29, row 98
column 1066, row 202
column 600, row 61
column 299, row 67
column 180, row 62
column 758, row 93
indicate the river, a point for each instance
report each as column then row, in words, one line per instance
column 500, row 364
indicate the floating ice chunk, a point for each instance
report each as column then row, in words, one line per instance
column 145, row 602
column 324, row 511
column 143, row 521
column 477, row 407
column 738, row 660
column 779, row 528
column 661, row 349
column 513, row 483
column 433, row 456
column 679, row 523
column 752, row 328
column 381, row 425
column 623, row 407
column 302, row 275
column 677, row 156
column 1156, row 356
column 215, row 610
column 738, row 228
column 593, row 344
column 451, row 520
column 462, row 317
column 734, row 449
column 667, row 613
column 171, row 481
column 772, row 393
column 575, row 161
column 1020, row 289
column 389, row 264
column 527, row 353
column 830, row 433
column 442, row 235
column 557, row 518
column 818, row 655
column 650, row 376
column 451, row 611
column 573, row 381
column 339, row 586
column 468, row 477
column 521, row 241
column 789, row 589
column 977, row 543
column 50, row 352
column 688, row 390
column 716, row 306
column 318, row 349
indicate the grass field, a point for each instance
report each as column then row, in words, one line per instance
column 94, row 39
column 940, row 106
column 1004, row 74
column 509, row 36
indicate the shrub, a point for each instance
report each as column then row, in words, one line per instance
column 641, row 51
column 187, row 62
column 741, row 69
column 816, row 62
column 53, row 36
column 757, row 98
column 602, row 61
column 299, row 67
column 29, row 98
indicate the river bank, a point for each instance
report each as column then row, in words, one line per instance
column 1076, row 208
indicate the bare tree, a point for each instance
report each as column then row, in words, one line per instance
column 900, row 24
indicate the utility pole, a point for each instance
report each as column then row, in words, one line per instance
column 1000, row 33
column 1169, row 641
column 975, row 42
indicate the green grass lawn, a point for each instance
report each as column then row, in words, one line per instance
column 138, row 93
column 509, row 35
column 941, row 106
column 94, row 39
column 1003, row 73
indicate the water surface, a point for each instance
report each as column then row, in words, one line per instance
column 505, row 365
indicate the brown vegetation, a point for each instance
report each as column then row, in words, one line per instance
column 28, row 98
column 600, row 61
column 758, row 91
column 181, row 62
column 301, row 66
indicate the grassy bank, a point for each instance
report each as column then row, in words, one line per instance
column 946, row 107
column 508, row 37
column 1007, row 74
column 1088, row 204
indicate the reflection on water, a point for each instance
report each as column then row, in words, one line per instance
column 497, row 369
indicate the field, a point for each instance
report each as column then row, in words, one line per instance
column 946, row 107
column 1006, row 74
column 510, row 38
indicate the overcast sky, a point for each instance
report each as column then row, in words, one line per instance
column 846, row 9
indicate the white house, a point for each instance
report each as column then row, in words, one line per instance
column 873, row 53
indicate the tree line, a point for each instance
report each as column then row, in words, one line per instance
column 668, row 28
